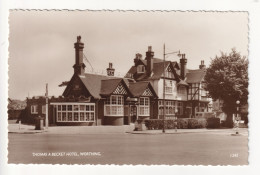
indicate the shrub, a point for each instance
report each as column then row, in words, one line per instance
column 182, row 123
column 213, row 122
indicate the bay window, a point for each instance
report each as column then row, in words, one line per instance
column 114, row 105
column 144, row 106
column 76, row 112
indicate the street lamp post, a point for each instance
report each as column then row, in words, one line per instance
column 237, row 118
column 164, row 107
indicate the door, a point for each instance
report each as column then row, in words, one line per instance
column 133, row 113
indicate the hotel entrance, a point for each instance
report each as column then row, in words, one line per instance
column 133, row 113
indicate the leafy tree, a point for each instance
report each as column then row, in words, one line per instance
column 227, row 79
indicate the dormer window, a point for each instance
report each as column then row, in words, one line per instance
column 140, row 69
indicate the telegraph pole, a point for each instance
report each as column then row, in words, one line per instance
column 46, row 115
column 163, row 89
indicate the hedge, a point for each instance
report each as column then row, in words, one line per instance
column 182, row 123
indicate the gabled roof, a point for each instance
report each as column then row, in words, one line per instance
column 158, row 70
column 108, row 86
column 183, row 83
column 99, row 85
column 195, row 76
column 93, row 83
column 137, row 88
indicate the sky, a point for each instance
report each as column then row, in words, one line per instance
column 41, row 43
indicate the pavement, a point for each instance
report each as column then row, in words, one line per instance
column 65, row 130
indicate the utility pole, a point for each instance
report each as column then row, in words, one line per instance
column 46, row 113
column 164, row 107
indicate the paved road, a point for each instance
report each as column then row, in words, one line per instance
column 193, row 148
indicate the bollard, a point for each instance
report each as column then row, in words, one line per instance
column 175, row 124
column 19, row 124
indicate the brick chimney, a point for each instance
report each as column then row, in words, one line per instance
column 110, row 70
column 183, row 62
column 149, row 58
column 202, row 66
column 79, row 66
column 138, row 57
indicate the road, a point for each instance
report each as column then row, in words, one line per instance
column 173, row 149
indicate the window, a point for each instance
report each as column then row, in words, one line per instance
column 43, row 109
column 34, row 109
column 180, row 108
column 114, row 106
column 170, row 107
column 181, row 90
column 144, row 106
column 76, row 112
column 168, row 86
column 140, row 69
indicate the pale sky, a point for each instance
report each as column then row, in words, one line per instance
column 41, row 48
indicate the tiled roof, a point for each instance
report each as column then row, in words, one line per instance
column 138, row 88
column 98, row 85
column 109, row 85
column 195, row 76
column 93, row 83
column 157, row 69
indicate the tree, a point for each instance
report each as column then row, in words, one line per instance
column 227, row 79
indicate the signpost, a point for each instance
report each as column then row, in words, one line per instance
column 237, row 119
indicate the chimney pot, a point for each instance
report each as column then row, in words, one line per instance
column 183, row 62
column 149, row 58
column 79, row 66
column 149, row 48
column 110, row 70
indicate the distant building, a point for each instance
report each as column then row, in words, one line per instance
column 15, row 108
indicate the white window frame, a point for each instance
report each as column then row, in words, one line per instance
column 34, row 109
column 168, row 87
column 170, row 107
column 65, row 109
column 43, row 109
column 140, row 69
column 114, row 106
column 144, row 108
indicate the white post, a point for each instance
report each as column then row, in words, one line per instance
column 46, row 119
column 19, row 124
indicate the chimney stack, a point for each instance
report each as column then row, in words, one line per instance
column 110, row 70
column 138, row 57
column 149, row 58
column 183, row 62
column 202, row 66
column 79, row 66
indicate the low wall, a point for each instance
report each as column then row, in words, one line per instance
column 114, row 120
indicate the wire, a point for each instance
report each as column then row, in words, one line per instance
column 88, row 61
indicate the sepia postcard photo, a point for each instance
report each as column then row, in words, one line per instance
column 128, row 87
